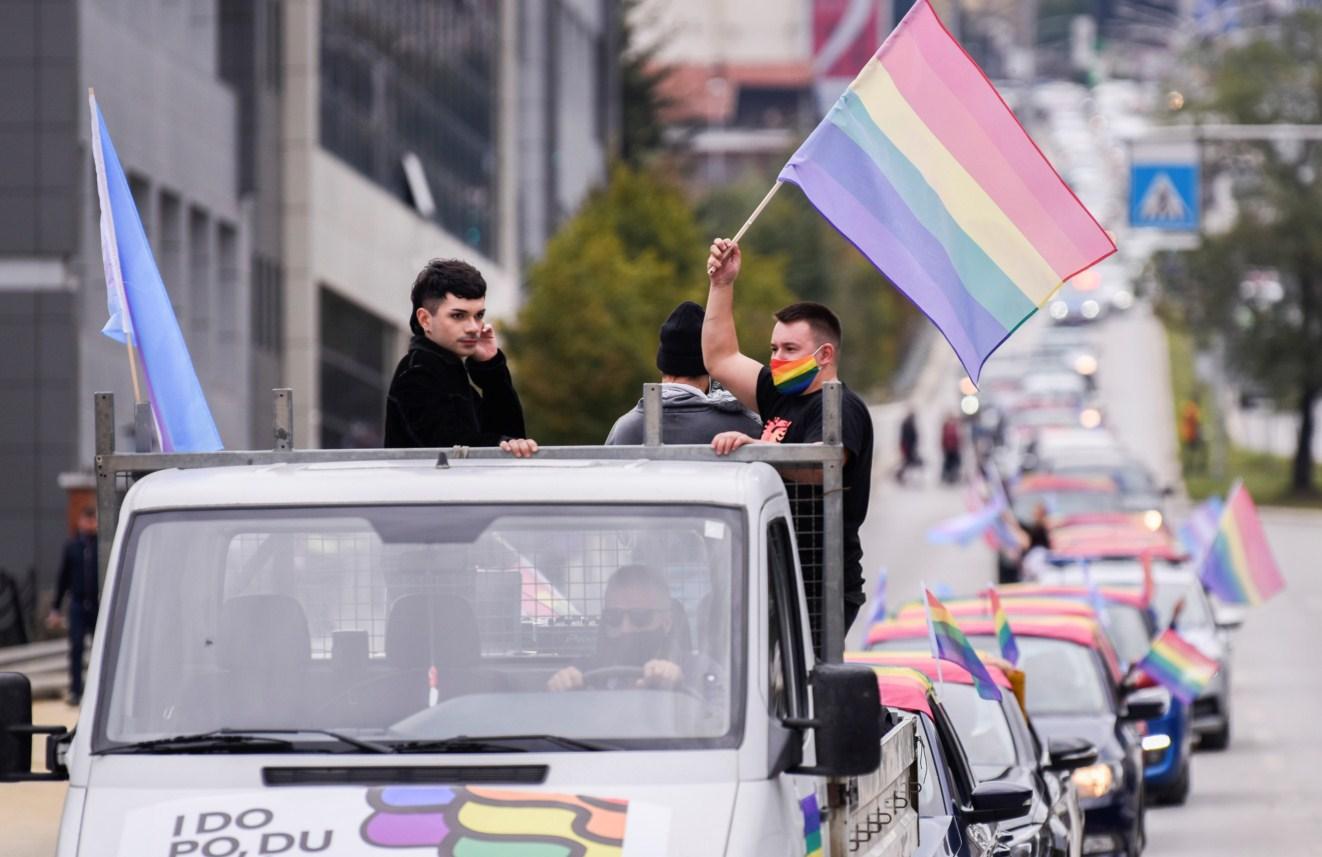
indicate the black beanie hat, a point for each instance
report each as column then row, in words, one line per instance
column 680, row 351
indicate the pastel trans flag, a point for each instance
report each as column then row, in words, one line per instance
column 924, row 168
column 140, row 310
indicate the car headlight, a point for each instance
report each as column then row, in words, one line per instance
column 1090, row 418
column 1152, row 519
column 1122, row 300
column 1090, row 309
column 1156, row 743
column 1059, row 310
column 1085, row 364
column 1095, row 780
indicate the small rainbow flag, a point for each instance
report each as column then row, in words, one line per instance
column 794, row 377
column 812, row 826
column 1178, row 666
column 1239, row 567
column 1004, row 636
column 950, row 644
column 924, row 168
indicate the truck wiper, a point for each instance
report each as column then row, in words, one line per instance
column 241, row 741
column 494, row 744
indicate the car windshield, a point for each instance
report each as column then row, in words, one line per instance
column 1128, row 630
column 981, row 725
column 1066, row 503
column 1196, row 614
column 422, row 623
column 1060, row 677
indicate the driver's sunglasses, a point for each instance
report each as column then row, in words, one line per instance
column 613, row 617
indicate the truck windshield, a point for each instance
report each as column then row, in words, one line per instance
column 410, row 625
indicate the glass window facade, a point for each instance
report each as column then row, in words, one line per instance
column 417, row 76
column 355, row 374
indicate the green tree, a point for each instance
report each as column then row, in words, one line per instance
column 1275, row 79
column 585, row 340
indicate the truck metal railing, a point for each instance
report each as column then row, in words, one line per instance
column 882, row 807
column 816, row 502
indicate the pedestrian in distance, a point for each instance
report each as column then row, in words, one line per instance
column 1192, row 445
column 453, row 387
column 951, row 457
column 691, row 411
column 805, row 353
column 909, row 458
column 80, row 580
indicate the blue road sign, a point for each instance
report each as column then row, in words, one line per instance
column 1164, row 196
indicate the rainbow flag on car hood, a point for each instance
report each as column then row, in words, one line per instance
column 1238, row 566
column 924, row 168
column 950, row 644
column 1176, row 665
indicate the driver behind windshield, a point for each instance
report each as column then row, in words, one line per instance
column 636, row 645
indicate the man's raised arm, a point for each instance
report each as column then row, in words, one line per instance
column 720, row 344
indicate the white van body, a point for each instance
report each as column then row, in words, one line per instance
column 723, row 789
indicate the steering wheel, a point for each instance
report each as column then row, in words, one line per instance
column 604, row 677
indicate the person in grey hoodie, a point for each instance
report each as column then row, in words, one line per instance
column 691, row 412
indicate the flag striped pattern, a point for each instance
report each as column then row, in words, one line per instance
column 950, row 644
column 1004, row 636
column 923, row 167
column 1239, row 566
column 796, row 376
column 1178, row 666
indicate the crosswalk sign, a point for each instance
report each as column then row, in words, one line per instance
column 1164, row 196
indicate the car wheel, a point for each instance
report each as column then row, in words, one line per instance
column 1218, row 740
column 1178, row 793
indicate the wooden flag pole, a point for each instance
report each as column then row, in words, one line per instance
column 749, row 222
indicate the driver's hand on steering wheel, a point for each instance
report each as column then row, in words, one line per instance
column 661, row 675
column 568, row 678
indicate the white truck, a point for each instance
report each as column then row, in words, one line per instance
column 600, row 651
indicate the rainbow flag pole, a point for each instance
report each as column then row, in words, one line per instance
column 1239, row 566
column 949, row 643
column 1175, row 664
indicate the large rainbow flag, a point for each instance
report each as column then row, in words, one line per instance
column 924, row 168
column 950, row 644
column 1174, row 663
column 1239, row 567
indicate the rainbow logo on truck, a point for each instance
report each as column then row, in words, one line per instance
column 479, row 822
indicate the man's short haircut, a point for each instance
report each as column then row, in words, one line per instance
column 640, row 576
column 441, row 277
column 824, row 324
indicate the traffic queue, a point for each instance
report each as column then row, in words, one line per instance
column 1086, row 676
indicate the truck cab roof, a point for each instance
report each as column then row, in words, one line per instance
column 466, row 481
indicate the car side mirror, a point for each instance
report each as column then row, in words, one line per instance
column 1228, row 617
column 846, row 721
column 997, row 801
column 1147, row 703
column 1070, row 754
column 16, row 731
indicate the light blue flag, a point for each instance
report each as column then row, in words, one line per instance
column 140, row 310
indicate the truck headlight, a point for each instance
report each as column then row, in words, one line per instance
column 1095, row 780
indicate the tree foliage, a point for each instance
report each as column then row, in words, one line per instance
column 585, row 340
column 1272, row 340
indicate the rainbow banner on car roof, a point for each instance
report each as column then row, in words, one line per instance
column 1176, row 665
column 1239, row 567
column 950, row 644
column 924, row 168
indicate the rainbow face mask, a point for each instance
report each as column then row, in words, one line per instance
column 792, row 377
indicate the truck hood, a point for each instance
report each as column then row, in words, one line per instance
column 233, row 814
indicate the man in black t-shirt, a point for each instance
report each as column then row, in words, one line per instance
column 805, row 351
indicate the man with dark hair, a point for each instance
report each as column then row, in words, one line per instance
column 805, row 352
column 79, row 579
column 691, row 412
column 453, row 387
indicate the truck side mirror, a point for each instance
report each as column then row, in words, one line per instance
column 846, row 721
column 16, row 731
